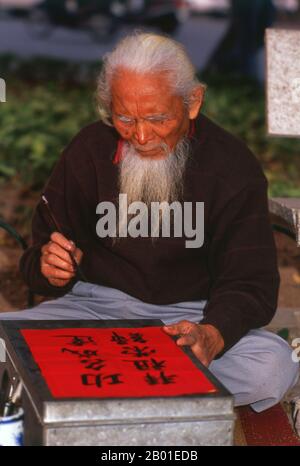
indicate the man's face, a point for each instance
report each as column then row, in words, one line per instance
column 147, row 114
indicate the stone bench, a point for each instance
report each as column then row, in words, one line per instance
column 287, row 209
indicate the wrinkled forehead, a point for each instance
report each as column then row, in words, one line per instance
column 128, row 82
column 147, row 92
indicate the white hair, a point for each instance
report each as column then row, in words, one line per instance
column 146, row 53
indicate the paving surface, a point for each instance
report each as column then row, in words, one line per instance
column 199, row 35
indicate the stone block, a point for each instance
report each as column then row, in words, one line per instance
column 283, row 82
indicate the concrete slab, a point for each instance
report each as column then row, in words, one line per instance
column 283, row 82
column 288, row 209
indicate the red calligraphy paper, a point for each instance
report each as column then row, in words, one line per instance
column 114, row 362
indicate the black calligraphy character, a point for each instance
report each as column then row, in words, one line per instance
column 115, row 378
column 151, row 380
column 87, row 357
column 119, row 339
column 166, row 379
column 82, row 354
column 137, row 337
column 93, row 379
column 79, row 340
column 140, row 364
column 157, row 365
column 144, row 364
column 163, row 379
column 95, row 364
column 137, row 351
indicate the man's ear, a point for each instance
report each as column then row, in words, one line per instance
column 196, row 101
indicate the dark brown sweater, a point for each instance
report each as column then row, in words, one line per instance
column 235, row 269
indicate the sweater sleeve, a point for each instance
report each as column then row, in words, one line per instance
column 243, row 265
column 70, row 210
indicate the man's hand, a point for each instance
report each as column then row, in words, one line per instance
column 205, row 340
column 56, row 263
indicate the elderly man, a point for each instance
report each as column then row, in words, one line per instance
column 153, row 145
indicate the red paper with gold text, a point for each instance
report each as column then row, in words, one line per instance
column 114, row 362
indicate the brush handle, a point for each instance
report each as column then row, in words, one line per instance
column 79, row 272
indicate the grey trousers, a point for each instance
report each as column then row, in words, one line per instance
column 258, row 370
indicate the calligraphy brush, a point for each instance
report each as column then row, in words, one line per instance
column 59, row 229
column 14, row 399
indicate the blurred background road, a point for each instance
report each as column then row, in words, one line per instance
column 58, row 28
column 199, row 34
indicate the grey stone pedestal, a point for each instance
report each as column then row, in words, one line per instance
column 199, row 419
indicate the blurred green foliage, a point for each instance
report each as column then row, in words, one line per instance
column 35, row 125
column 48, row 101
column 240, row 107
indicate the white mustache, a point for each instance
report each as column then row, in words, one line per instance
column 162, row 146
column 146, row 149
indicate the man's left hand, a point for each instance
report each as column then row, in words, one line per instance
column 204, row 340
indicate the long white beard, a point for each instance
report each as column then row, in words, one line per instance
column 149, row 180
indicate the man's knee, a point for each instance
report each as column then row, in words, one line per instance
column 278, row 375
column 258, row 371
column 278, row 372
